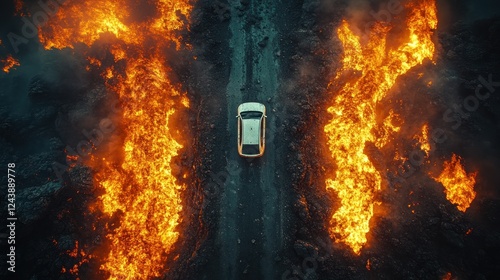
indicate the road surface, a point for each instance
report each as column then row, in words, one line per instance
column 250, row 228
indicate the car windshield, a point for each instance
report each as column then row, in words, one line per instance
column 250, row 149
column 251, row 115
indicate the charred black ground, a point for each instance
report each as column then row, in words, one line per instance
column 45, row 107
column 401, row 245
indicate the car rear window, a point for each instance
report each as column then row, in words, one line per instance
column 250, row 149
column 251, row 115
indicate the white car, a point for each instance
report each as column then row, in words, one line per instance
column 251, row 129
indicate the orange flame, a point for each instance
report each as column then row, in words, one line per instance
column 458, row 185
column 141, row 186
column 376, row 66
column 9, row 63
column 87, row 21
column 425, row 145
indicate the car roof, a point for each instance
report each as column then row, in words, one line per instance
column 250, row 131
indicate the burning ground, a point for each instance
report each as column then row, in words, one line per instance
column 379, row 163
column 120, row 174
column 414, row 230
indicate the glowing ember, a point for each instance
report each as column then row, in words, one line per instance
column 458, row 185
column 141, row 186
column 19, row 7
column 9, row 63
column 79, row 256
column 387, row 128
column 447, row 276
column 424, row 140
column 376, row 66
